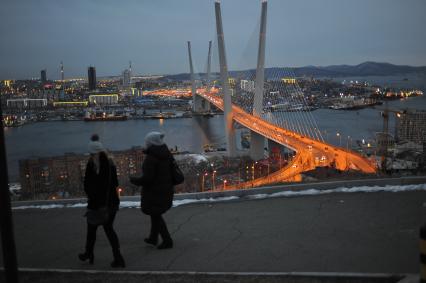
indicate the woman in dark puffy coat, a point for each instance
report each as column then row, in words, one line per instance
column 157, row 187
column 100, row 184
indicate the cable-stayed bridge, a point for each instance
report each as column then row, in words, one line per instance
column 277, row 110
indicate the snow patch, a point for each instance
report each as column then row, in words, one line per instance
column 198, row 158
column 14, row 187
column 362, row 189
column 187, row 201
column 44, row 206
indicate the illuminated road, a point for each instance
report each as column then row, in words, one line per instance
column 310, row 153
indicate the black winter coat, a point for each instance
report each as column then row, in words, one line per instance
column 156, row 181
column 96, row 185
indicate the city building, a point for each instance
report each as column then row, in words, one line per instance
column 63, row 176
column 43, row 76
column 247, row 85
column 7, row 83
column 103, row 99
column 126, row 79
column 26, row 103
column 136, row 91
column 411, row 126
column 232, row 82
column 70, row 103
column 91, row 75
column 288, row 80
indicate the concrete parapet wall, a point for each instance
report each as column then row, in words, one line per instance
column 262, row 190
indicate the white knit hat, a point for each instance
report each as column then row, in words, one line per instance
column 95, row 147
column 154, row 138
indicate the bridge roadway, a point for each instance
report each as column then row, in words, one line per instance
column 310, row 153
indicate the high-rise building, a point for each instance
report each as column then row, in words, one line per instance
column 43, row 76
column 127, row 76
column 411, row 126
column 91, row 74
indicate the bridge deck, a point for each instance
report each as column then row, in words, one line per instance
column 310, row 153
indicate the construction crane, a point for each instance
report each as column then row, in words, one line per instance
column 385, row 142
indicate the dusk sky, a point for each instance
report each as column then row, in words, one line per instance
column 153, row 34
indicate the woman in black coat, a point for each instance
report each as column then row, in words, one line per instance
column 157, row 187
column 100, row 184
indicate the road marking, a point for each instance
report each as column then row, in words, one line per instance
column 160, row 272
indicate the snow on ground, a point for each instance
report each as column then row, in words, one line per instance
column 309, row 192
column 14, row 187
column 362, row 189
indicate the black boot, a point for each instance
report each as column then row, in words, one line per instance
column 118, row 260
column 87, row 256
column 151, row 241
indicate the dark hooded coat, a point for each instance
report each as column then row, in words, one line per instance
column 156, row 180
column 96, row 184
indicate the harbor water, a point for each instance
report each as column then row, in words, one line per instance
column 45, row 139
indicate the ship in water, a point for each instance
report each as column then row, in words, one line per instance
column 103, row 116
column 10, row 121
column 353, row 104
column 289, row 107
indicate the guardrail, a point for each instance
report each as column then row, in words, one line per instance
column 254, row 191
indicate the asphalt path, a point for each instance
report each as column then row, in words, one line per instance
column 342, row 232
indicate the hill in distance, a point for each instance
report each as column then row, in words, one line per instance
column 361, row 70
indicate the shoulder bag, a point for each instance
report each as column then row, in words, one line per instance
column 177, row 175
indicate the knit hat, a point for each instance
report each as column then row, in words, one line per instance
column 95, row 147
column 154, row 138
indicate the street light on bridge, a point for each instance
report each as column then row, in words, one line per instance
column 340, row 139
column 294, row 172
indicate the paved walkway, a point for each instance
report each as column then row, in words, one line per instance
column 359, row 232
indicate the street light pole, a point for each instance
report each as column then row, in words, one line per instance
column 213, row 180
column 326, row 135
column 6, row 223
column 202, row 184
column 252, row 172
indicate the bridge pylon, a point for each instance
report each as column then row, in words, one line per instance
column 206, row 105
column 227, row 111
column 257, row 142
column 197, row 101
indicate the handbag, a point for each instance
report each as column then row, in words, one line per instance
column 177, row 175
column 101, row 215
